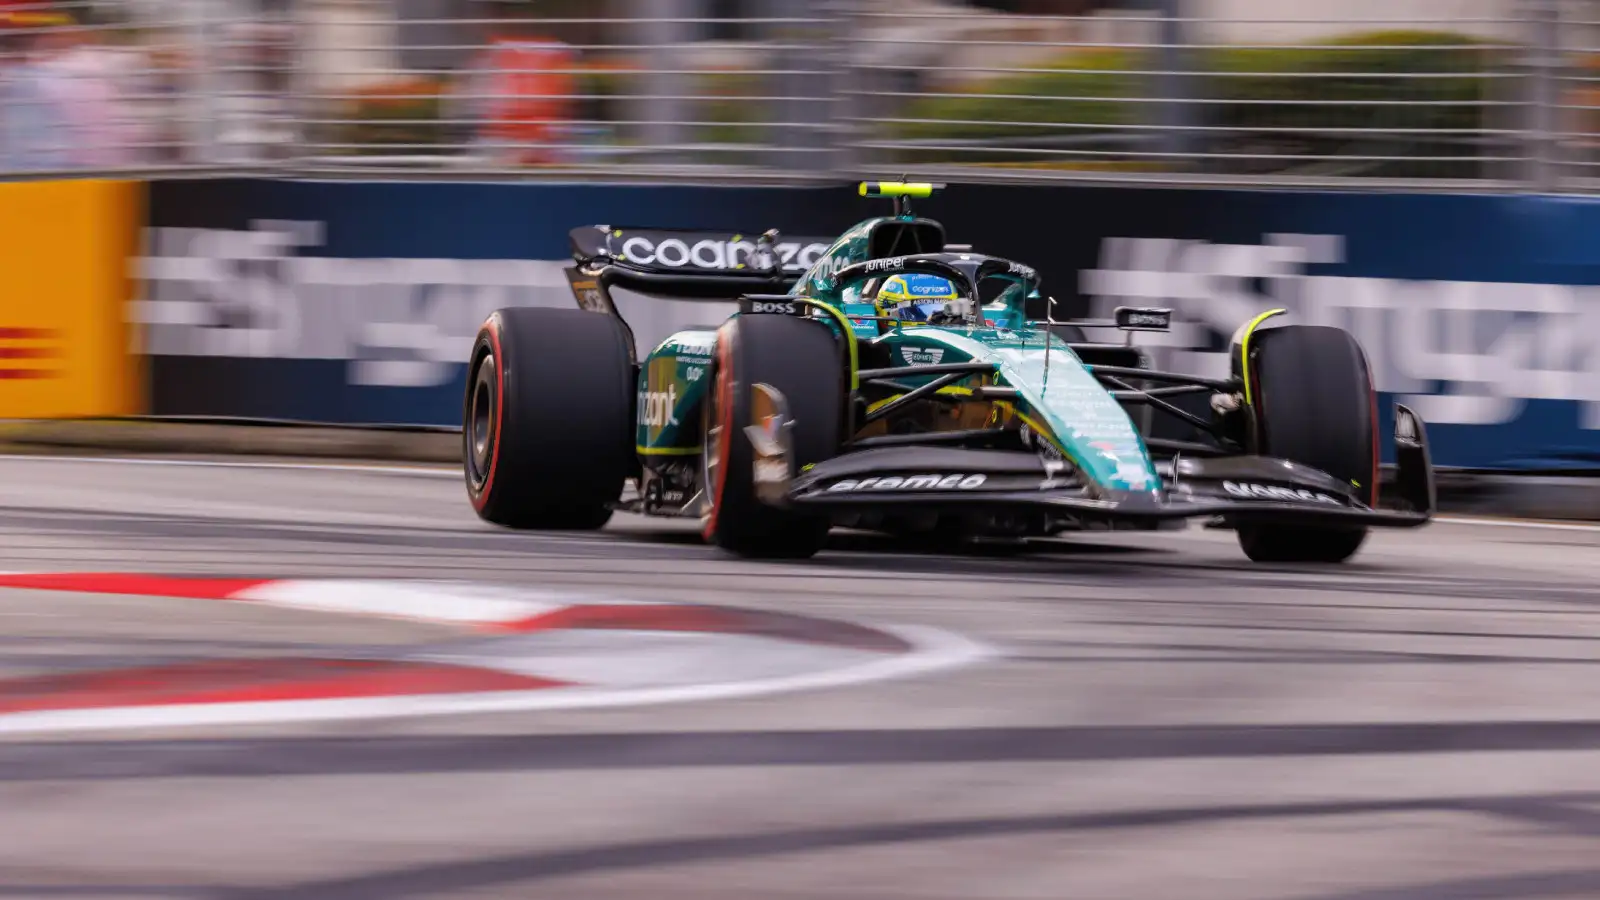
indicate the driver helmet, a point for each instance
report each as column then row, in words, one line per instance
column 916, row 297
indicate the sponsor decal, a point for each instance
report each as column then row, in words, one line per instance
column 829, row 267
column 922, row 356
column 589, row 297
column 1040, row 444
column 1133, row 473
column 1109, row 430
column 929, row 482
column 658, row 408
column 779, row 307
column 931, row 290
column 691, row 345
column 1253, row 491
column 717, row 253
column 883, row 265
column 1155, row 319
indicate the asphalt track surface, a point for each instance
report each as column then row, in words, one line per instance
column 1161, row 720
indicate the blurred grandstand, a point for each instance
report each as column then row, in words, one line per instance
column 1488, row 92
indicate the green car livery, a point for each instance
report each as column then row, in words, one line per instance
column 895, row 382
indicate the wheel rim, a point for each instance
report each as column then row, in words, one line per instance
column 481, row 423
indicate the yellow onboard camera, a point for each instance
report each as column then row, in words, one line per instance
column 901, row 191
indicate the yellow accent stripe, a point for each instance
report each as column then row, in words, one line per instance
column 1244, row 347
column 957, row 391
column 849, row 336
column 1038, row 428
column 666, row 451
column 1045, row 432
column 896, row 189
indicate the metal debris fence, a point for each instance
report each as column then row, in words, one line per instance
column 1453, row 94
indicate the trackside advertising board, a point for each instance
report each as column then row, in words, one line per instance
column 356, row 302
column 65, row 346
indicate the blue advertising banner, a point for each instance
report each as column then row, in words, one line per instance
column 356, row 301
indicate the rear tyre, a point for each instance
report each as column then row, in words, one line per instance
column 801, row 360
column 1315, row 405
column 547, row 437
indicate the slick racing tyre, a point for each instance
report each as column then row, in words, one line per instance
column 1314, row 405
column 547, row 437
column 801, row 360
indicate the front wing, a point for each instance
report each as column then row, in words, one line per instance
column 1238, row 488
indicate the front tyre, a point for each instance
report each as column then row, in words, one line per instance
column 547, row 438
column 799, row 358
column 1315, row 405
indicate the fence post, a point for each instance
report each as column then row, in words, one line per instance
column 849, row 89
column 203, row 114
column 1175, row 85
column 300, row 104
column 662, row 109
column 835, row 111
column 794, row 132
column 1542, row 116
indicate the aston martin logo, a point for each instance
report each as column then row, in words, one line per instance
column 922, row 356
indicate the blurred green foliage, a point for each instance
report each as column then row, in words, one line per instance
column 1248, row 95
column 1250, row 102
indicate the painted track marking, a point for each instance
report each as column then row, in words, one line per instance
column 847, row 654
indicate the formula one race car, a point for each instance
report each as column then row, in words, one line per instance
column 895, row 383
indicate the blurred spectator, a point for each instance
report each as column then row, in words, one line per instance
column 521, row 92
column 62, row 105
column 252, row 86
column 33, row 127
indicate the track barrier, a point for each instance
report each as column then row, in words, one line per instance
column 355, row 302
column 65, row 342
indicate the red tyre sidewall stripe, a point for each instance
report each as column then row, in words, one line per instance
column 491, row 328
column 724, row 389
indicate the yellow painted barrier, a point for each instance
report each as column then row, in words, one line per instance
column 66, row 346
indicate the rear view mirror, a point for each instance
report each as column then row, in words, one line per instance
column 1134, row 318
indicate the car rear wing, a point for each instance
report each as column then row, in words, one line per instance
column 663, row 251
column 684, row 265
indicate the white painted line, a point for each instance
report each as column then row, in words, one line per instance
column 451, row 603
column 1517, row 523
column 932, row 650
column 448, row 472
column 423, row 471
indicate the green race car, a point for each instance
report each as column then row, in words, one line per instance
column 895, row 382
